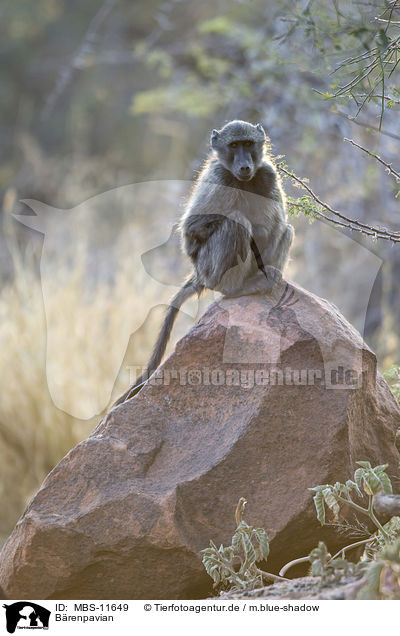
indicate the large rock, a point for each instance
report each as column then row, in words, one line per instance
column 126, row 513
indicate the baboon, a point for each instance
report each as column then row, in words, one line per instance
column 234, row 228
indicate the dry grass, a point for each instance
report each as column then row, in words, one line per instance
column 91, row 322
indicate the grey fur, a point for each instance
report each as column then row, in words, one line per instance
column 234, row 228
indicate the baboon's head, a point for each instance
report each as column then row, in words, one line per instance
column 239, row 146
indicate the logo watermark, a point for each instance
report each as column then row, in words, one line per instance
column 26, row 615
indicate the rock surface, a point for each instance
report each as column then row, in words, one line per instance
column 127, row 511
column 386, row 507
column 306, row 588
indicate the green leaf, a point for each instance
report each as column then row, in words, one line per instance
column 386, row 484
column 364, row 464
column 351, row 485
column 372, row 482
column 358, row 477
column 318, row 558
column 380, row 468
column 214, row 572
column 263, row 541
column 371, row 590
column 236, row 542
column 250, row 555
column 319, row 506
column 331, row 501
column 377, row 480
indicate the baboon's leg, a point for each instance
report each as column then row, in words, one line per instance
column 224, row 261
column 201, row 226
column 277, row 251
column 197, row 230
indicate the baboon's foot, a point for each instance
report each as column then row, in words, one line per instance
column 259, row 283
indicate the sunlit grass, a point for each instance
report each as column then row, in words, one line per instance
column 34, row 433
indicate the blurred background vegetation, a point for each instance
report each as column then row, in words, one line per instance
column 102, row 94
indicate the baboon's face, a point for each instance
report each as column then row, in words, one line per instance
column 241, row 157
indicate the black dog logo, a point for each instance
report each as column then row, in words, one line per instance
column 26, row 615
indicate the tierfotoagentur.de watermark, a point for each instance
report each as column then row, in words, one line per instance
column 338, row 377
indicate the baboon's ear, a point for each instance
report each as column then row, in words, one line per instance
column 214, row 138
column 261, row 129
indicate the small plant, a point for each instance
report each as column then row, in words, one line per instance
column 383, row 575
column 367, row 480
column 234, row 567
column 378, row 541
column 328, row 568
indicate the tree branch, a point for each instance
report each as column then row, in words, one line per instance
column 388, row 166
column 351, row 224
column 65, row 76
column 351, row 118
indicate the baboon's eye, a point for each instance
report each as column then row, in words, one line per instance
column 233, row 144
column 249, row 143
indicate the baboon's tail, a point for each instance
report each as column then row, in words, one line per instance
column 190, row 288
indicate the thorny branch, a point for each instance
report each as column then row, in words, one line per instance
column 342, row 220
column 388, row 166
